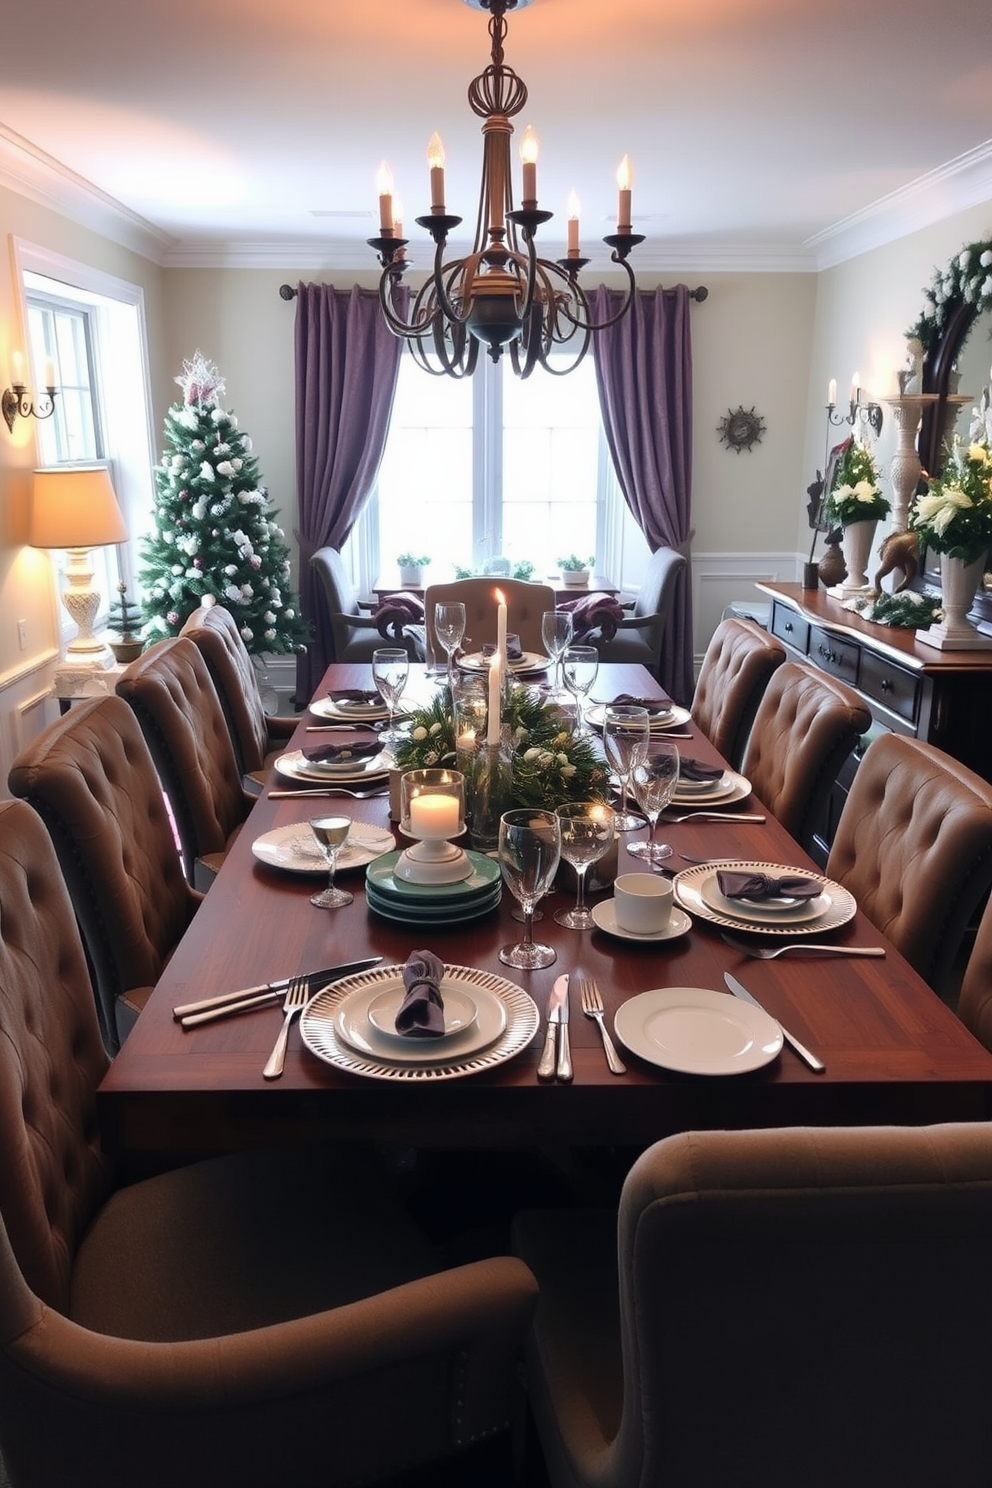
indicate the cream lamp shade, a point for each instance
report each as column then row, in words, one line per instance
column 76, row 509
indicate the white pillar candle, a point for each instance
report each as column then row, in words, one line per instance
column 495, row 691
column 832, row 392
column 500, row 623
column 434, row 816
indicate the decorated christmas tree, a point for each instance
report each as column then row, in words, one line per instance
column 214, row 529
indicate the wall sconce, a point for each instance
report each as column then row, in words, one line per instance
column 17, row 399
column 76, row 509
column 869, row 412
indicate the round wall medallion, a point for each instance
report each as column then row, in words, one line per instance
column 741, row 428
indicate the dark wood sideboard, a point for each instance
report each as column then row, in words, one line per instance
column 944, row 697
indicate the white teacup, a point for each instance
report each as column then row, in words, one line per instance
column 642, row 902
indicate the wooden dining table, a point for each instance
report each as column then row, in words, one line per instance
column 894, row 1052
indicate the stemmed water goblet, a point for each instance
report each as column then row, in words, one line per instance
column 587, row 833
column 556, row 632
column 626, row 728
column 449, row 627
column 331, row 833
column 579, row 665
column 654, row 778
column 529, row 854
column 390, row 670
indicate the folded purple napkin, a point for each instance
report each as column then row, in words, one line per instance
column 514, row 650
column 693, row 769
column 655, row 707
column 356, row 695
column 341, row 754
column 421, row 1013
column 766, row 886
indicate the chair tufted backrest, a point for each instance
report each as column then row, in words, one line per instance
column 91, row 779
column 52, row 1174
column 184, row 726
column 975, row 999
column 806, row 726
column 914, row 846
column 736, row 669
column 641, row 635
column 525, row 605
column 214, row 631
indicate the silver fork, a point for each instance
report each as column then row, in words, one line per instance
column 592, row 1006
column 297, row 996
column 667, row 819
column 330, row 790
column 803, row 947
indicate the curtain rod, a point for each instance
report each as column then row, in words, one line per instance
column 287, row 292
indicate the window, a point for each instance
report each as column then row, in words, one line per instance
column 492, row 466
column 62, row 332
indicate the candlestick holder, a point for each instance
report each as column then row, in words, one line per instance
column 433, row 811
column 905, row 469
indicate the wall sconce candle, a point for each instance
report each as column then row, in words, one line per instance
column 868, row 411
column 17, row 400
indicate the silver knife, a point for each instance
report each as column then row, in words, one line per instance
column 816, row 1065
column 273, row 989
column 558, row 998
column 564, row 1069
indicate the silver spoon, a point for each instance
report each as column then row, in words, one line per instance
column 768, row 953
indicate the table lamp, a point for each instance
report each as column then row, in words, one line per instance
column 76, row 509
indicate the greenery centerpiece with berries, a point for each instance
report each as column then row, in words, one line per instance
column 214, row 530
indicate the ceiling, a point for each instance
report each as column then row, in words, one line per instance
column 777, row 134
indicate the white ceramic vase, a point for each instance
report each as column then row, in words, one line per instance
column 958, row 582
column 856, row 546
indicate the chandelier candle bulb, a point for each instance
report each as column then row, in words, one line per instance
column 435, row 159
column 573, row 225
column 625, row 179
column 384, row 185
column 435, row 816
column 528, row 157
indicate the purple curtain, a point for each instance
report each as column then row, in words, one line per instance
column 347, row 362
column 644, row 374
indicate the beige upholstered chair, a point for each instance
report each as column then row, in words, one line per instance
column 736, row 669
column 914, row 846
column 354, row 635
column 770, row 1307
column 525, row 604
column 257, row 1319
column 257, row 736
column 182, row 720
column 92, row 781
column 806, row 726
column 640, row 636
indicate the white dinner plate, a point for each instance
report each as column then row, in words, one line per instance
column 688, row 891
column 295, row 849
column 529, row 661
column 698, row 1031
column 776, row 911
column 318, row 1026
column 295, row 766
column 604, row 916
column 725, row 792
column 324, row 708
column 677, row 717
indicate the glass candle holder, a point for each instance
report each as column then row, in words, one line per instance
column 432, row 810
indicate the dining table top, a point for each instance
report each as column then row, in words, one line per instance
column 893, row 1051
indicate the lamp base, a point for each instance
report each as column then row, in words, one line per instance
column 87, row 655
column 433, row 863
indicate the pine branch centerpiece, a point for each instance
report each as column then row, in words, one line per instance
column 215, row 533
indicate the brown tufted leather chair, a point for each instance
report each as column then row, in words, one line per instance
column 736, row 669
column 257, row 1319
column 974, row 1006
column 257, row 736
column 806, row 726
column 92, row 781
column 525, row 605
column 182, row 720
column 914, row 846
column 773, row 1307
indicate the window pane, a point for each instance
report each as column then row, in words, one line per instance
column 551, row 433
column 62, row 334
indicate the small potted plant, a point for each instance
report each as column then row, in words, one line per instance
column 411, row 569
column 126, row 618
column 575, row 571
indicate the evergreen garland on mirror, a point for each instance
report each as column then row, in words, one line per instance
column 214, row 531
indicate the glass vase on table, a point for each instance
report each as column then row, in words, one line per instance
column 626, row 729
column 529, row 854
column 587, row 834
column 390, row 672
column 556, row 632
column 654, row 778
column 331, row 833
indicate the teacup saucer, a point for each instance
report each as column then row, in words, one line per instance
column 604, row 916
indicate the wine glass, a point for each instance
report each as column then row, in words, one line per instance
column 331, row 833
column 655, row 776
column 556, row 632
column 579, row 665
column 390, row 670
column 587, row 832
column 449, row 627
column 529, row 853
column 625, row 731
